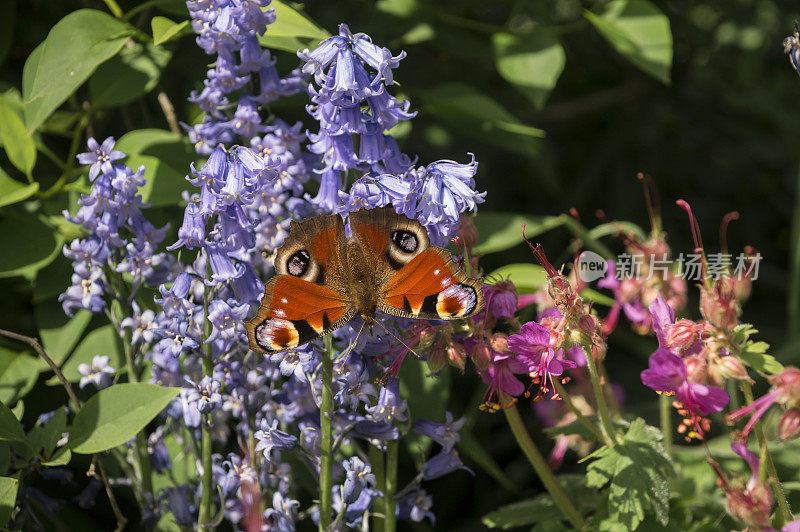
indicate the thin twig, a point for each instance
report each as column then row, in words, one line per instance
column 121, row 519
column 169, row 112
column 34, row 343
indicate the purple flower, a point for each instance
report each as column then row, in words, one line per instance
column 532, row 347
column 282, row 515
column 358, row 476
column 390, row 405
column 667, row 373
column 99, row 373
column 270, row 437
column 205, row 395
column 443, row 463
column 416, row 505
column 226, row 319
column 100, row 156
column 445, row 434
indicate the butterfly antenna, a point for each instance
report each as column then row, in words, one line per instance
column 353, row 344
column 393, row 335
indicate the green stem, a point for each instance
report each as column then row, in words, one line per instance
column 113, row 6
column 665, row 404
column 793, row 292
column 610, row 436
column 204, row 514
column 585, row 422
column 326, row 437
column 784, row 511
column 378, row 462
column 540, row 466
column 390, row 486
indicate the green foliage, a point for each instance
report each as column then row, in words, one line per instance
column 74, row 48
column 114, row 415
column 18, row 145
column 43, row 438
column 18, row 374
column 532, row 62
column 12, row 191
column 637, row 473
column 165, row 30
column 101, row 341
column 754, row 353
column 130, row 74
column 59, row 333
column 292, row 30
column 526, row 277
column 33, row 243
column 8, row 494
column 499, row 231
column 638, row 30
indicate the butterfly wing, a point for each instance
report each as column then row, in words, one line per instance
column 295, row 311
column 415, row 279
column 307, row 298
column 431, row 286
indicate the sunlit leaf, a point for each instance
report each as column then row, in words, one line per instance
column 531, row 62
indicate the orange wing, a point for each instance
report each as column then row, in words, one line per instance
column 295, row 311
column 431, row 286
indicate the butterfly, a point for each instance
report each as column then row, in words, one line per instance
column 323, row 279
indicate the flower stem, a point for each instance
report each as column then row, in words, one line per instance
column 390, row 486
column 585, row 422
column 540, row 466
column 784, row 511
column 204, row 515
column 326, row 438
column 664, row 403
column 379, row 470
column 602, row 407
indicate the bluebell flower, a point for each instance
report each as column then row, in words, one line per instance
column 447, row 189
column 205, row 395
column 282, row 515
column 178, row 500
column 86, row 292
column 358, row 476
column 354, row 387
column 295, row 362
column 270, row 437
column 100, row 156
column 416, row 506
column 190, row 411
column 390, row 406
column 443, row 463
column 236, row 470
column 99, row 373
column 159, row 457
column 369, row 192
column 445, row 434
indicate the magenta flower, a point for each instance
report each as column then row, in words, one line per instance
column 667, row 373
column 532, row 347
column 503, row 386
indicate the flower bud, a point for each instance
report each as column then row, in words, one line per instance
column 726, row 367
column 499, row 342
column 719, row 306
column 788, row 381
column 696, row 368
column 681, row 335
column 467, row 231
column 501, row 299
column 437, row 358
column 425, row 334
column 481, row 355
column 753, row 506
column 457, row 356
column 789, row 424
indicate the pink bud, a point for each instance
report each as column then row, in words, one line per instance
column 457, row 356
column 682, row 335
column 437, row 358
column 696, row 368
column 499, row 342
column 467, row 231
column 719, row 306
column 726, row 367
column 788, row 381
column 481, row 355
column 789, row 424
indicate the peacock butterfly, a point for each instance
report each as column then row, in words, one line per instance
column 323, row 279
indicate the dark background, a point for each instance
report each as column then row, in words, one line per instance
column 723, row 136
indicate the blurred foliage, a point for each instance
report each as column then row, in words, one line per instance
column 562, row 103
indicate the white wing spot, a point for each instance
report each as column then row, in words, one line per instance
column 436, row 272
column 284, row 300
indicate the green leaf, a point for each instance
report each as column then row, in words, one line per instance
column 12, row 191
column 59, row 333
column 499, row 231
column 8, row 497
column 532, row 62
column 61, row 457
column 73, row 49
column 101, row 341
column 5, row 457
column 133, row 72
column 18, row 374
column 17, row 142
column 291, row 23
column 640, row 31
column 165, row 29
column 527, row 512
column 761, row 362
column 526, row 277
column 29, row 245
column 10, row 428
column 166, row 157
column 637, row 471
column 114, row 415
column 597, row 297
column 44, row 438
column 52, row 280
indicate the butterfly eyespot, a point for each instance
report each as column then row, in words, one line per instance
column 298, row 263
column 457, row 300
column 405, row 240
column 276, row 334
